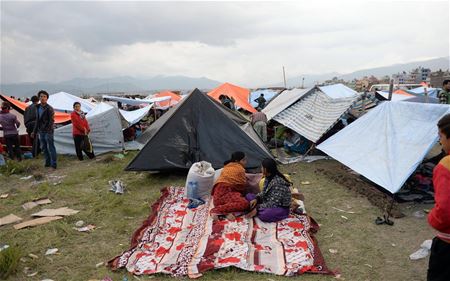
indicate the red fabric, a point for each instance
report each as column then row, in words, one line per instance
column 79, row 124
column 439, row 217
column 227, row 200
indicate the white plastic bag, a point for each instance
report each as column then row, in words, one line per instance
column 200, row 180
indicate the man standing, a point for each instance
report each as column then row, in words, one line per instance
column 44, row 129
column 439, row 217
column 261, row 101
column 444, row 95
column 29, row 118
column 259, row 123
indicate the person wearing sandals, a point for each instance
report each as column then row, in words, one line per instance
column 273, row 202
column 229, row 188
column 439, row 217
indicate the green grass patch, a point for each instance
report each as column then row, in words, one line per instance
column 9, row 261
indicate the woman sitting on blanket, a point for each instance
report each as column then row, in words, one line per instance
column 229, row 189
column 272, row 204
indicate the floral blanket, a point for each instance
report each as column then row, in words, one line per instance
column 186, row 242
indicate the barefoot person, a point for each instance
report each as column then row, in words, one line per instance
column 272, row 204
column 439, row 217
column 229, row 189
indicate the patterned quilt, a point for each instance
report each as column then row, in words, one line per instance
column 186, row 242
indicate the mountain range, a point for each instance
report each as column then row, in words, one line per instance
column 127, row 84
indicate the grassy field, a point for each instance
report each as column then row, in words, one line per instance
column 365, row 251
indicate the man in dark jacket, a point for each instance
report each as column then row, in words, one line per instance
column 29, row 117
column 45, row 119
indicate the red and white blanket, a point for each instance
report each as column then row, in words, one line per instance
column 186, row 242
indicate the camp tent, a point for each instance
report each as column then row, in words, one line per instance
column 283, row 101
column 106, row 132
column 198, row 128
column 402, row 95
column 388, row 143
column 317, row 110
column 135, row 101
column 173, row 99
column 134, row 116
column 431, row 92
column 239, row 94
column 63, row 102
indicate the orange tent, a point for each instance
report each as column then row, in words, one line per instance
column 402, row 92
column 174, row 98
column 60, row 118
column 239, row 94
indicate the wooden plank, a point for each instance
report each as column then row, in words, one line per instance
column 35, row 222
column 11, row 218
column 64, row 211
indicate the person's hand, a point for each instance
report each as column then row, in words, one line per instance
column 253, row 203
column 85, row 131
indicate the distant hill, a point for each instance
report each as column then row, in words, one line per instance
column 311, row 80
column 81, row 86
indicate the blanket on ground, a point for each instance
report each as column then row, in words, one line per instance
column 186, row 242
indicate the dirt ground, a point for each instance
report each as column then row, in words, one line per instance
column 343, row 205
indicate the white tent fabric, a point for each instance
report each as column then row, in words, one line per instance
column 432, row 92
column 388, row 143
column 283, row 101
column 132, row 117
column 338, row 91
column 64, row 102
column 135, row 101
column 395, row 97
column 106, row 132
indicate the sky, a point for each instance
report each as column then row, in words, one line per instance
column 245, row 43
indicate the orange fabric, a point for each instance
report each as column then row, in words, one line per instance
column 21, row 106
column 240, row 95
column 174, row 98
column 233, row 174
column 403, row 93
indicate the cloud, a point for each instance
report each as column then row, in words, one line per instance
column 241, row 42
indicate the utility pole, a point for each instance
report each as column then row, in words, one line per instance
column 303, row 82
column 391, row 89
column 284, row 77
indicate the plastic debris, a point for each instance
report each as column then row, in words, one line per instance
column 340, row 210
column 86, row 228
column 79, row 223
column 333, row 251
column 419, row 214
column 33, row 256
column 117, row 186
column 4, row 196
column 99, row 264
column 344, row 217
column 119, row 156
column 51, row 251
column 4, row 247
column 26, row 178
column 305, row 182
column 47, row 280
column 422, row 252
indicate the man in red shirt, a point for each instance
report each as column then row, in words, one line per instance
column 80, row 131
column 439, row 217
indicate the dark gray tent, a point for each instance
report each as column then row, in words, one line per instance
column 198, row 128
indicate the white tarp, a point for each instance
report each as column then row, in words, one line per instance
column 106, row 132
column 283, row 101
column 134, row 116
column 64, row 102
column 135, row 101
column 395, row 97
column 388, row 143
column 338, row 91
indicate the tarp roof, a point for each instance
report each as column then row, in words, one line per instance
column 283, row 101
column 338, row 91
column 60, row 117
column 388, row 143
column 174, row 99
column 401, row 95
column 241, row 95
column 198, row 128
column 135, row 101
column 63, row 101
column 432, row 92
column 269, row 94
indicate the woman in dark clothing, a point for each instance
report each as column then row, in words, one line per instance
column 9, row 125
column 272, row 204
column 80, row 130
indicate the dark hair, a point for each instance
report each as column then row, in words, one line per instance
column 235, row 157
column 34, row 99
column 271, row 166
column 221, row 97
column 42, row 92
column 75, row 103
column 444, row 125
column 6, row 105
column 446, row 81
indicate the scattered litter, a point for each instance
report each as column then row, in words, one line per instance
column 26, row 178
column 125, row 278
column 368, row 265
column 344, row 217
column 333, row 251
column 23, row 260
column 107, row 279
column 393, row 245
column 419, row 214
column 422, row 252
column 337, row 276
column 33, row 256
column 56, row 183
column 47, row 280
column 99, row 264
column 64, row 211
column 79, row 223
column 4, row 196
column 426, row 211
column 36, row 222
column 4, row 247
column 329, row 236
column 51, row 251
column 11, row 218
column 119, row 156
column 340, row 210
column 86, row 228
column 305, row 182
column 116, row 186
column 35, row 203
column 32, row 274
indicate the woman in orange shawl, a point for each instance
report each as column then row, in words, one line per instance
column 229, row 189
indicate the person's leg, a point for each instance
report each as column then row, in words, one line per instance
column 264, row 132
column 17, row 150
column 234, row 203
column 438, row 269
column 44, row 148
column 89, row 154
column 258, row 129
column 10, row 146
column 52, row 150
column 78, row 140
column 273, row 214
